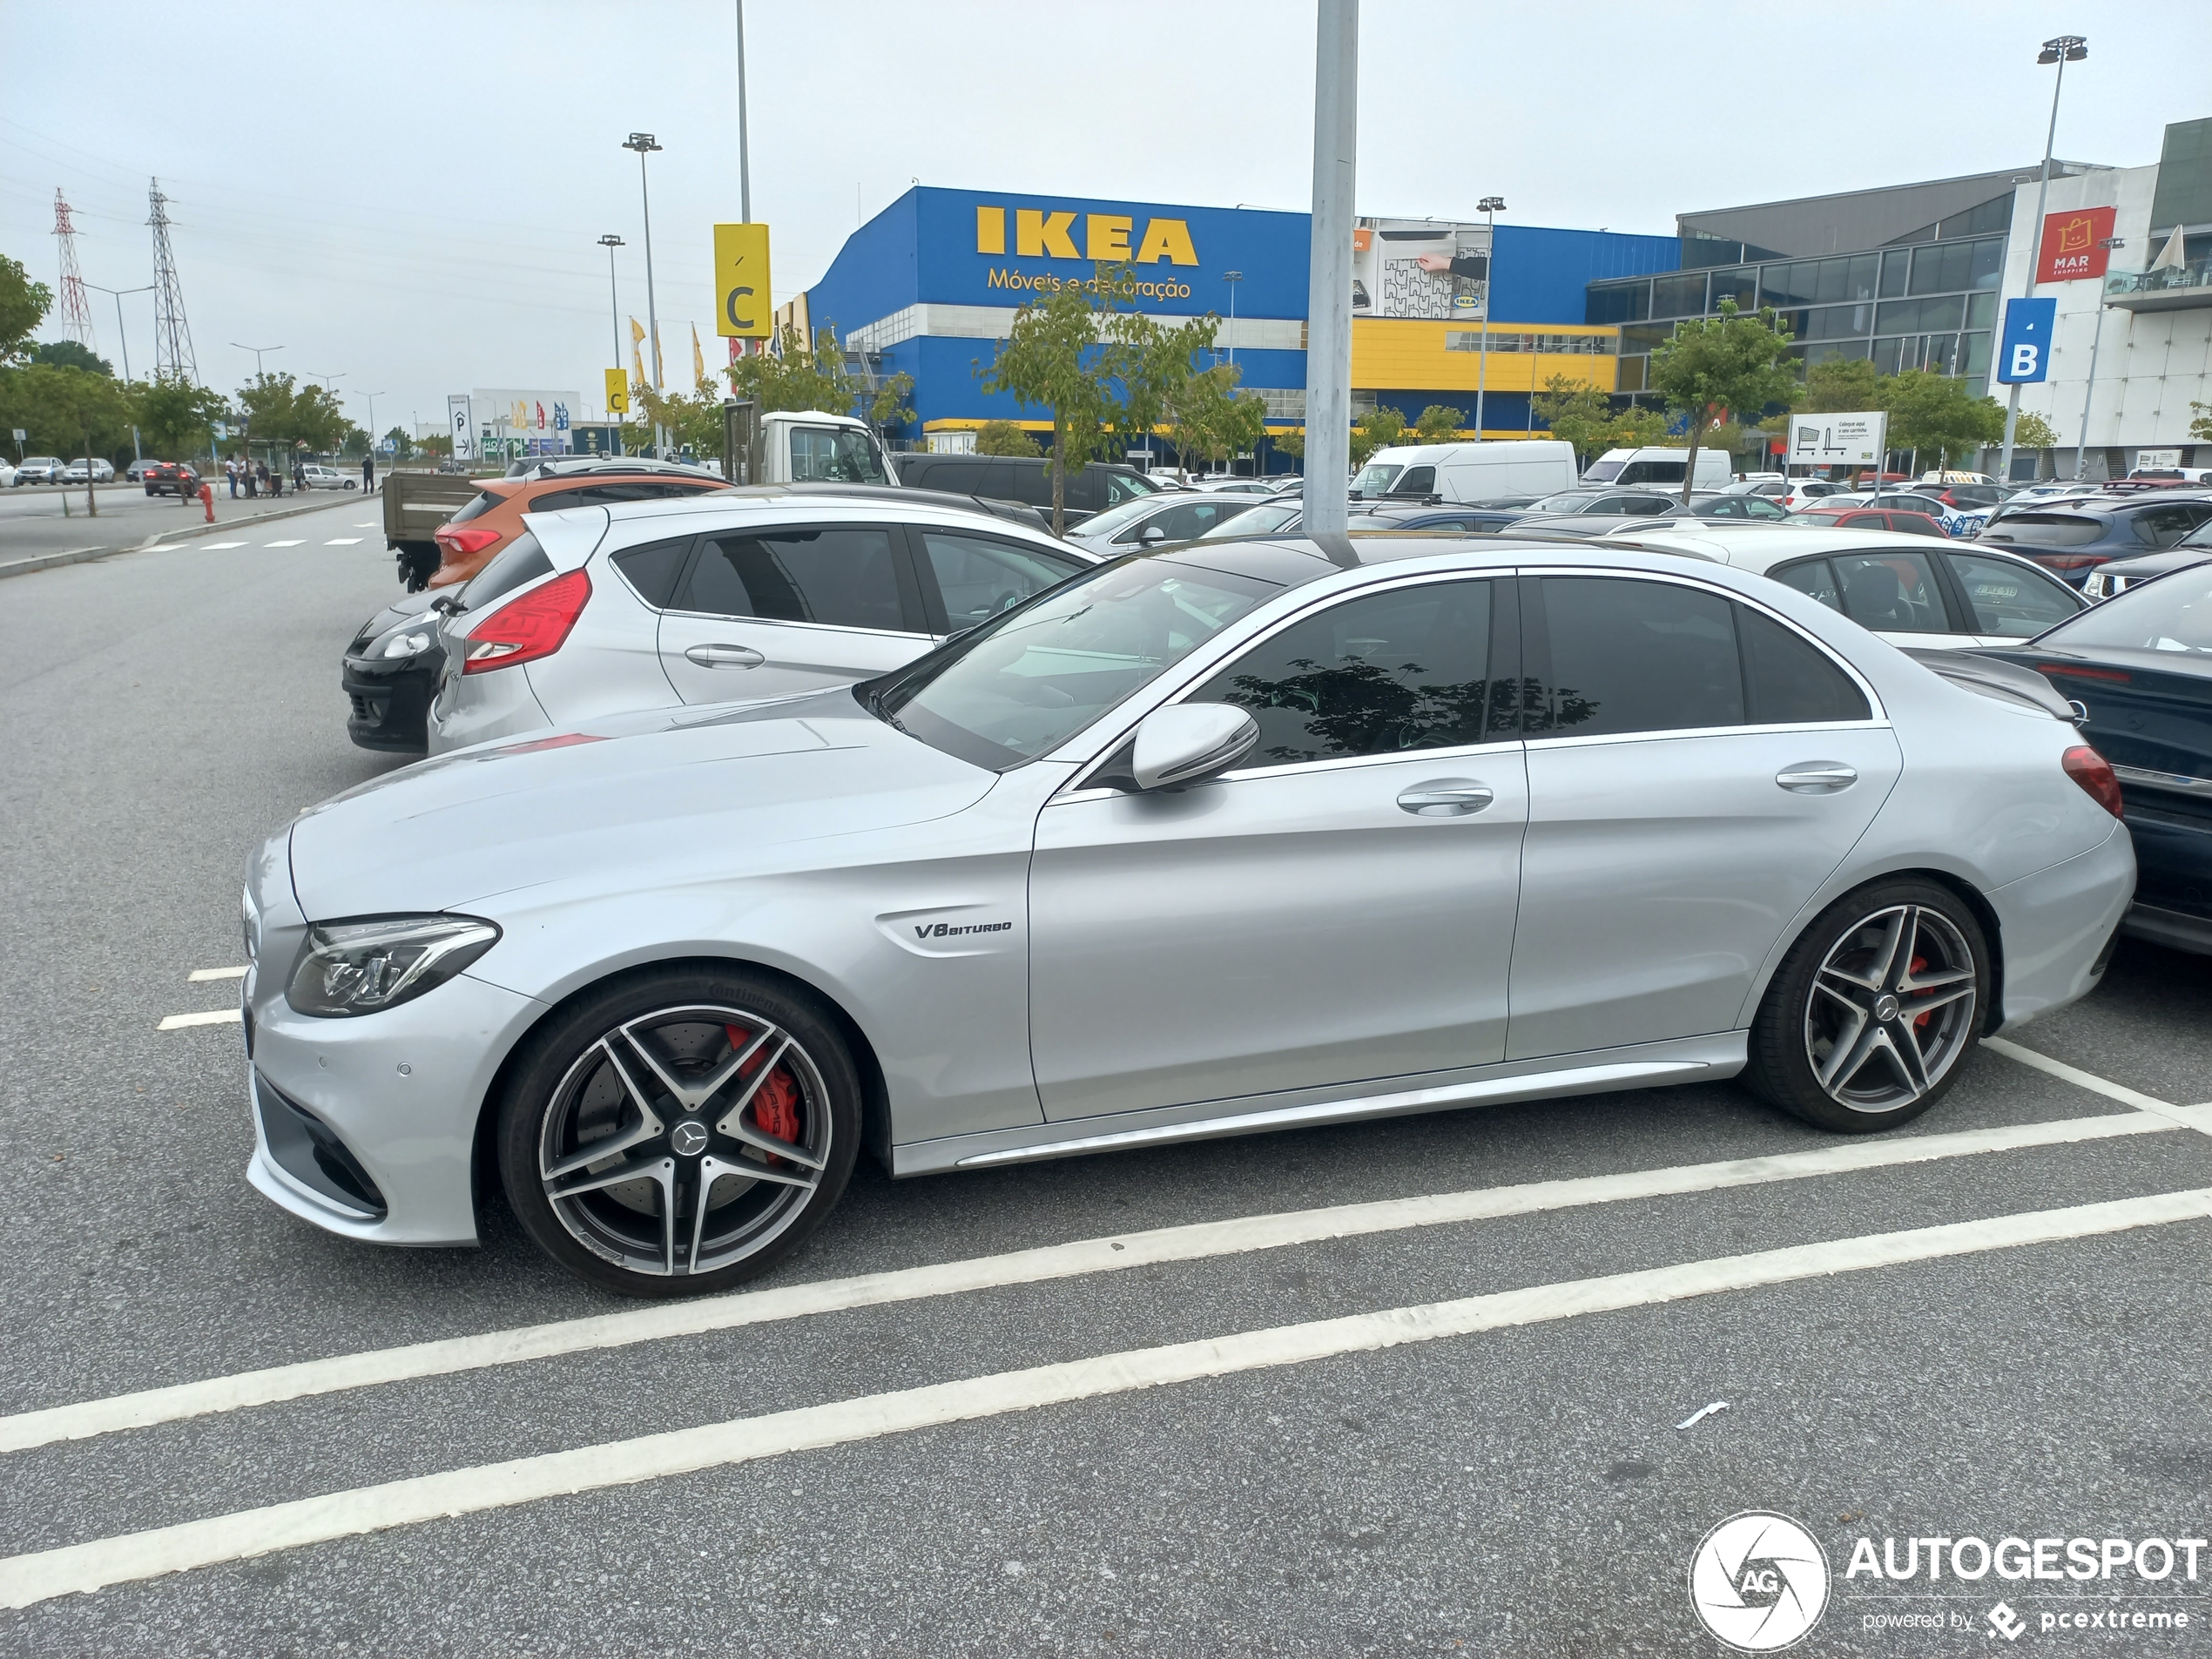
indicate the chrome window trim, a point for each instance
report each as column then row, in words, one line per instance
column 1669, row 733
column 784, row 622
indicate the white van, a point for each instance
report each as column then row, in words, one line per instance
column 1469, row 472
column 1658, row 467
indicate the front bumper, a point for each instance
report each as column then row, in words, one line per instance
column 400, row 1091
column 388, row 703
column 2057, row 923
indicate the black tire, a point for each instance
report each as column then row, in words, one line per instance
column 1850, row 979
column 577, row 1084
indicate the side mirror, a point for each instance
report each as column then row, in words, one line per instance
column 1150, row 536
column 1187, row 742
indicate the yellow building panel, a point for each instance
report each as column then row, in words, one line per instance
column 1400, row 355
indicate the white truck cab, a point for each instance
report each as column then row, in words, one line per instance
column 1659, row 467
column 800, row 447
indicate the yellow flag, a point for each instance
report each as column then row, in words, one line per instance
column 636, row 356
column 698, row 357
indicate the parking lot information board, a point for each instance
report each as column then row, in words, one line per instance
column 1839, row 440
column 462, row 428
column 742, row 307
column 2024, row 350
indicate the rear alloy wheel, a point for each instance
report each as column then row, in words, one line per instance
column 681, row 1132
column 1865, row 1024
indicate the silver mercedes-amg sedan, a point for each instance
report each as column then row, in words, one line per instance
column 1218, row 838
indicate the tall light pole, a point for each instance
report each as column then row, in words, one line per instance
column 744, row 158
column 2089, row 386
column 644, row 144
column 258, row 352
column 610, row 242
column 325, row 379
column 372, row 397
column 1328, row 327
column 137, row 454
column 1490, row 206
column 2062, row 50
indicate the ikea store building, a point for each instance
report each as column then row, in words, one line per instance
column 928, row 286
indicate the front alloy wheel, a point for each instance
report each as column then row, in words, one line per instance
column 681, row 1134
column 1865, row 1024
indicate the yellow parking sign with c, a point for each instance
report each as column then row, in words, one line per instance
column 742, row 307
column 617, row 392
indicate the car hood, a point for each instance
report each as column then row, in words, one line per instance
column 726, row 784
column 401, row 610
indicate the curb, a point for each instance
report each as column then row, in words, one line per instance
column 166, row 538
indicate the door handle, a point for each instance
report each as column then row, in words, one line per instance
column 1445, row 797
column 725, row 656
column 1817, row 777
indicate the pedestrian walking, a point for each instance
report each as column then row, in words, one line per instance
column 230, row 472
column 368, row 474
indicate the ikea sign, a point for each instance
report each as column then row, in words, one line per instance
column 1039, row 233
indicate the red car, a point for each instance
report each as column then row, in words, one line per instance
column 171, row 478
column 1851, row 516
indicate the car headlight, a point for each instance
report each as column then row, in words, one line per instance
column 408, row 645
column 348, row 968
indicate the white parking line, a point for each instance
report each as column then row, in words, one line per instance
column 212, row 546
column 76, row 1567
column 1199, row 1241
column 200, row 975
column 2196, row 1117
column 345, row 540
column 211, row 1016
column 372, row 525
column 298, row 543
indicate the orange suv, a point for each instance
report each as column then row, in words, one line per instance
column 468, row 541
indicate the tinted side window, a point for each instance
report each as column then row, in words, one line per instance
column 1610, row 655
column 1384, row 674
column 979, row 577
column 1786, row 680
column 1414, row 481
column 1895, row 592
column 2011, row 599
column 1189, row 519
column 654, row 568
column 1027, row 481
column 1813, row 577
column 522, row 560
column 844, row 577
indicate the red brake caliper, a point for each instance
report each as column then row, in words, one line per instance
column 775, row 1105
column 1921, row 1024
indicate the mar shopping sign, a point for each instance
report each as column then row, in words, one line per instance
column 2072, row 245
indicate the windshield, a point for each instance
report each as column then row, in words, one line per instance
column 1603, row 472
column 828, row 455
column 1130, row 486
column 1102, row 526
column 1024, row 683
column 1263, row 520
column 1376, row 477
column 1574, row 501
column 2173, row 613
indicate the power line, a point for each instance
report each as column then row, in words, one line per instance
column 172, row 352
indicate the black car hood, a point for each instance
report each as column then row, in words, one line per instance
column 400, row 612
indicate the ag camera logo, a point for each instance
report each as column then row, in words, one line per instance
column 1760, row 1582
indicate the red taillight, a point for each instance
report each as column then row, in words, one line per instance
column 2089, row 769
column 525, row 628
column 2071, row 561
column 2120, row 676
column 465, row 540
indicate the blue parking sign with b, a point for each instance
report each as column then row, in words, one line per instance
column 2024, row 350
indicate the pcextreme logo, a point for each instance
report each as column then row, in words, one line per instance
column 1039, row 233
column 1760, row 1582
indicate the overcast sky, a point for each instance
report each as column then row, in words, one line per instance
column 409, row 195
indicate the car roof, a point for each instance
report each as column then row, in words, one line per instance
column 858, row 505
column 1761, row 547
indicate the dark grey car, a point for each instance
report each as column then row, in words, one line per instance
column 2072, row 538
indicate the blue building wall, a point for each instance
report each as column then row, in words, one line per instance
column 1538, row 275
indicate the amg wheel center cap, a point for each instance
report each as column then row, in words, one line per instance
column 1884, row 1011
column 688, row 1137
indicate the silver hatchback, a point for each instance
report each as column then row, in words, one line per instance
column 718, row 598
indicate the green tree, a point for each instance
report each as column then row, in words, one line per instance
column 1842, row 386
column 1148, row 365
column 1438, row 423
column 1208, row 419
column 693, row 420
column 71, row 353
column 1377, row 429
column 2031, row 431
column 1576, row 413
column 277, row 410
column 1638, row 426
column 798, row 376
column 69, row 412
column 1004, row 438
column 1715, row 365
column 24, row 304
column 1048, row 360
column 1289, row 440
column 174, row 416
column 1932, row 415
column 2201, row 422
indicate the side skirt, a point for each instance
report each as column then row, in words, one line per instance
column 1679, row 1061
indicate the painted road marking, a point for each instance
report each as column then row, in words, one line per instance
column 211, row 1016
column 371, row 525
column 1196, row 1242
column 345, row 540
column 46, row 1573
column 212, row 546
column 298, row 543
column 2196, row 1117
column 200, row 974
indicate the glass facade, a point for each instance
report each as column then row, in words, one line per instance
column 1927, row 301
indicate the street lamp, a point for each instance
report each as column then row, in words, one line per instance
column 372, row 397
column 258, row 352
column 610, row 242
column 2062, row 50
column 136, row 453
column 1489, row 207
column 2089, row 386
column 325, row 379
column 644, row 144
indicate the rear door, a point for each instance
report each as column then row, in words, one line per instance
column 765, row 611
column 2007, row 601
column 968, row 578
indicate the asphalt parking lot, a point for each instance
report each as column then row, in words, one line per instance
column 1435, row 1404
